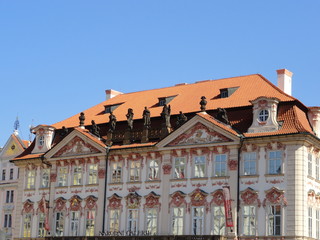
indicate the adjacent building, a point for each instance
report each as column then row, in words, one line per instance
column 237, row 157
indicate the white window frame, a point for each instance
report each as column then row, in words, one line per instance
column 250, row 163
column 93, row 174
column 31, row 179
column 27, row 225
column 199, row 169
column 116, row 172
column 263, row 115
column 249, row 215
column 77, row 176
column 114, row 220
column 310, row 164
column 317, row 223
column 152, row 221
column 90, row 222
column 317, row 173
column 220, row 165
column 9, row 196
column 41, row 225
column 274, row 217
column 45, row 178
column 198, row 220
column 74, row 223
column 134, row 171
column 59, row 223
column 7, row 220
column 62, row 176
column 133, row 221
column 275, row 162
column 153, row 170
column 218, row 220
column 180, row 168
column 310, row 222
column 177, row 220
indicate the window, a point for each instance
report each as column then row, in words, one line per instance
column 274, row 220
column 31, row 176
column 116, row 172
column 62, row 176
column 218, row 220
column 317, row 169
column 11, row 174
column 133, row 220
column 74, row 223
column 93, row 174
column 77, row 175
column 41, row 225
column 90, row 219
column 249, row 220
column 197, row 220
column 45, row 178
column 310, row 222
column 249, row 163
column 151, row 221
column 317, row 224
column 177, row 220
column 275, row 162
column 134, row 172
column 153, row 171
column 9, row 196
column 7, row 220
column 114, row 217
column 59, row 223
column 41, row 140
column 263, row 115
column 220, row 165
column 27, row 225
column 310, row 165
column 3, row 174
column 179, row 167
column 199, row 166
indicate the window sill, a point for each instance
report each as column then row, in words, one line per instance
column 178, row 179
column 220, row 177
column 199, row 178
column 43, row 188
column 74, row 186
column 134, row 182
column 61, row 186
column 311, row 178
column 249, row 176
column 115, row 183
column 153, row 181
column 274, row 175
column 92, row 184
column 30, row 189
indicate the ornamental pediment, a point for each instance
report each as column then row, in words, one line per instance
column 199, row 134
column 76, row 146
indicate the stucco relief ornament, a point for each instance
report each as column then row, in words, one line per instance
column 114, row 201
column 91, row 202
column 233, row 164
column 75, row 203
column 133, row 200
column 101, row 172
column 198, row 198
column 275, row 196
column 60, row 204
column 27, row 207
column 217, row 197
column 177, row 199
column 166, row 169
column 249, row 197
column 53, row 177
column 152, row 200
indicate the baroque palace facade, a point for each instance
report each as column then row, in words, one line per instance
column 237, row 157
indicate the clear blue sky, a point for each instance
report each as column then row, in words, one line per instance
column 58, row 57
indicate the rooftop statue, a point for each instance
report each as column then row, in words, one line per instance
column 146, row 117
column 129, row 116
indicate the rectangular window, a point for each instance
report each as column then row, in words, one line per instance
column 310, row 164
column 41, row 225
column 199, row 166
column 177, row 220
column 59, row 223
column 317, row 169
column 179, row 167
column 133, row 220
column 62, row 176
column 3, row 174
column 274, row 220
column 218, row 220
column 151, row 221
column 134, row 171
column 197, row 220
column 27, row 225
column 11, row 174
column 45, row 178
column 153, row 171
column 31, row 177
column 7, row 220
column 114, row 220
column 92, row 174
column 74, row 223
column 77, row 175
column 275, row 162
column 9, row 196
column 249, row 220
column 116, row 168
column 317, row 224
column 220, row 165
column 249, row 163
column 310, row 222
column 90, row 219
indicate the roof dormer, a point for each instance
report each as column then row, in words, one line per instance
column 264, row 115
column 44, row 136
column 165, row 100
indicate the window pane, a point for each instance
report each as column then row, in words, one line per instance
column 179, row 167
column 199, row 166
column 177, row 220
column 153, row 170
column 151, row 220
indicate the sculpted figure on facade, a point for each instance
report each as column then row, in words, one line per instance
column 146, row 117
column 95, row 129
column 129, row 116
column 165, row 114
column 112, row 122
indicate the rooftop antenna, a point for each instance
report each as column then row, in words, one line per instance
column 16, row 126
column 30, row 128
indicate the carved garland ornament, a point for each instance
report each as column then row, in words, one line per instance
column 75, row 203
column 198, row 198
column 91, row 202
column 177, row 199
column 275, row 196
column 133, row 200
column 217, row 197
column 249, row 197
column 152, row 201
column 115, row 201
column 60, row 204
column 41, row 206
column 28, row 207
column 166, row 169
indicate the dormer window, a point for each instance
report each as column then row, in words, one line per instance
column 227, row 92
column 165, row 100
column 111, row 108
column 41, row 140
column 263, row 115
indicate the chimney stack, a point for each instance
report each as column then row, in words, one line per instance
column 110, row 93
column 285, row 80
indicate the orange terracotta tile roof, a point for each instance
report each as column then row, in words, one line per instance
column 187, row 99
column 90, row 136
column 28, row 156
column 133, row 145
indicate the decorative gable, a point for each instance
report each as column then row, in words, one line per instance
column 199, row 134
column 77, row 146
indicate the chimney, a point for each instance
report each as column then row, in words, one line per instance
column 285, row 80
column 110, row 93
